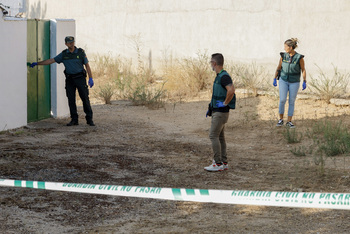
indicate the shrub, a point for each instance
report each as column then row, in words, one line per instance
column 327, row 87
column 105, row 92
column 320, row 161
column 105, row 69
column 292, row 135
column 332, row 138
column 188, row 76
column 198, row 71
column 328, row 139
column 250, row 76
column 299, row 152
column 149, row 96
column 106, row 66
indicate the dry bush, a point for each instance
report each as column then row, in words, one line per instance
column 188, row 76
column 105, row 69
column 105, row 92
column 235, row 70
column 327, row 87
column 106, row 66
column 250, row 76
column 116, row 77
column 148, row 95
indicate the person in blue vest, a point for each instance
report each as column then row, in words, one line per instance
column 291, row 66
column 223, row 99
column 74, row 59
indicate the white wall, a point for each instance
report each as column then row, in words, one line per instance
column 243, row 30
column 59, row 30
column 13, row 73
column 15, row 6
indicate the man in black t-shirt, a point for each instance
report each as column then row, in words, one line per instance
column 223, row 99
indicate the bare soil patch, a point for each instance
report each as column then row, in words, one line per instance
column 168, row 147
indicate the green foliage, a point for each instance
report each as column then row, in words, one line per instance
column 299, row 152
column 105, row 92
column 148, row 96
column 332, row 138
column 320, row 161
column 328, row 139
column 292, row 135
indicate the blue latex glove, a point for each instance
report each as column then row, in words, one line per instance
column 220, row 104
column 91, row 82
column 33, row 65
column 304, row 85
column 275, row 82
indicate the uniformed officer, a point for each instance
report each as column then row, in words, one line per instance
column 223, row 99
column 74, row 59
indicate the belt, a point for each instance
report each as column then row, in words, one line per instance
column 73, row 76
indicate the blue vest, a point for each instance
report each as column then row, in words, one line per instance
column 219, row 92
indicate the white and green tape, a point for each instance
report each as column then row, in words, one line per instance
column 242, row 197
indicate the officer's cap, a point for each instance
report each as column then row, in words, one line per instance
column 69, row 39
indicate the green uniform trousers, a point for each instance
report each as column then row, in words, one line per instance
column 217, row 136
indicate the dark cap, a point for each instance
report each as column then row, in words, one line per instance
column 69, row 39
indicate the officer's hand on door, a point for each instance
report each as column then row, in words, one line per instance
column 91, row 82
column 33, row 65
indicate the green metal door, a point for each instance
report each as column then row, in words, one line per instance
column 38, row 92
column 32, row 73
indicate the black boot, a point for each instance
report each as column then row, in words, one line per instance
column 90, row 122
column 73, row 122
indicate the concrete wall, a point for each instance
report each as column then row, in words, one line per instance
column 13, row 73
column 59, row 30
column 243, row 30
column 15, row 6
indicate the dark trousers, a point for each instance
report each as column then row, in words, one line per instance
column 72, row 84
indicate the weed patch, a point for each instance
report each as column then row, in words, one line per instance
column 292, row 135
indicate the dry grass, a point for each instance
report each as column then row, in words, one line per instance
column 187, row 77
column 117, row 78
column 327, row 86
column 250, row 76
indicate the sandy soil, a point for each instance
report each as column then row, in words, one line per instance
column 167, row 147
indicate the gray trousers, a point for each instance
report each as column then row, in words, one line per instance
column 217, row 136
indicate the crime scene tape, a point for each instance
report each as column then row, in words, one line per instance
column 239, row 197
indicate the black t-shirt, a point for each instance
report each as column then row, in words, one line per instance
column 225, row 80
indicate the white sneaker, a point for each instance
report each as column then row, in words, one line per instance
column 280, row 123
column 225, row 166
column 214, row 167
column 290, row 124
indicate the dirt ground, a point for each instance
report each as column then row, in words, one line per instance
column 167, row 147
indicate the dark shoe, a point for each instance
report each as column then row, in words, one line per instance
column 90, row 122
column 73, row 122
